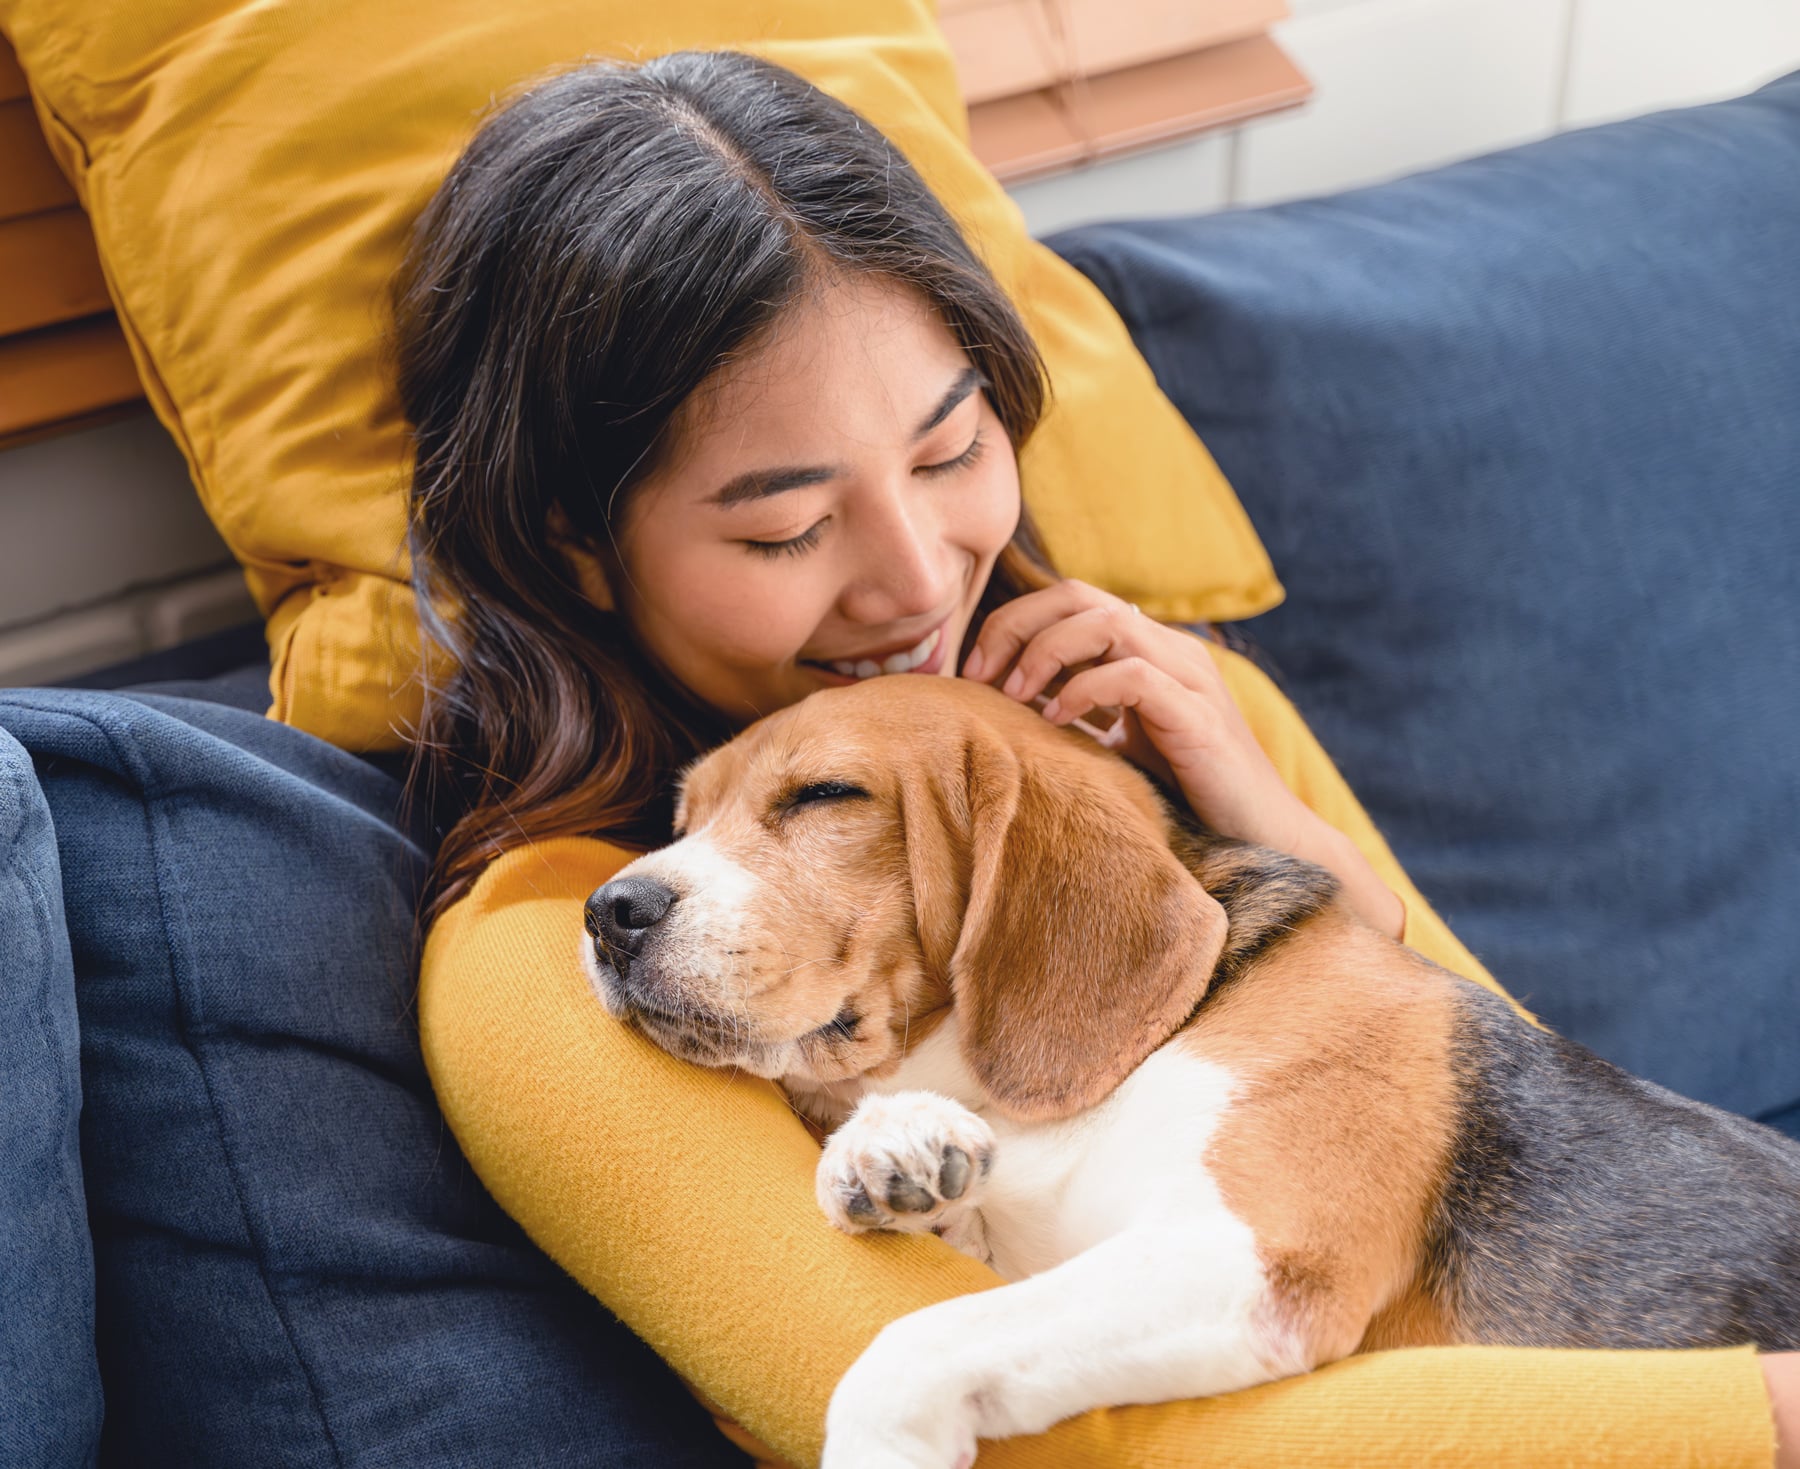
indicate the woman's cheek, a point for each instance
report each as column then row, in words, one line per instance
column 773, row 612
column 994, row 512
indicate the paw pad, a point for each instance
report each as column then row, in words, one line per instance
column 904, row 1162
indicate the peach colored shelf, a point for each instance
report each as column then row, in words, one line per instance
column 1057, row 128
column 1005, row 47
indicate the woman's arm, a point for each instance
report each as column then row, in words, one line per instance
column 683, row 1198
column 1781, row 1370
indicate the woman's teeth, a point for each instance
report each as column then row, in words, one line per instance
column 902, row 662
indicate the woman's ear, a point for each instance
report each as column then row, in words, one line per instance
column 1086, row 943
column 585, row 566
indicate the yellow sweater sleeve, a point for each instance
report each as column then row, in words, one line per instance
column 683, row 1199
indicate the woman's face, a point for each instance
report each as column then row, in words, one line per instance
column 833, row 507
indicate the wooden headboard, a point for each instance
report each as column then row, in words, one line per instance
column 63, row 359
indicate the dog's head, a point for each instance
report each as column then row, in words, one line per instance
column 852, row 865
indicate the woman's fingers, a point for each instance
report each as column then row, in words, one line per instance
column 1134, row 683
column 1091, row 636
column 1197, row 744
column 1082, row 625
column 1010, row 627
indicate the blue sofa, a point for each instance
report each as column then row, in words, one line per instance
column 1523, row 438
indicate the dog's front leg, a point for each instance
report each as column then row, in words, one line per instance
column 1147, row 1316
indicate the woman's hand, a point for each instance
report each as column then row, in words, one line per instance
column 1179, row 722
column 1781, row 1370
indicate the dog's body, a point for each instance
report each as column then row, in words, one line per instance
column 1214, row 1129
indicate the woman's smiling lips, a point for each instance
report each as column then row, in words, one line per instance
column 924, row 656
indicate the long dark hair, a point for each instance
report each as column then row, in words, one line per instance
column 608, row 241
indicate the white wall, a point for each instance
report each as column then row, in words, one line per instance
column 1406, row 84
column 103, row 551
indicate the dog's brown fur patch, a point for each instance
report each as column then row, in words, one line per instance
column 1335, row 1151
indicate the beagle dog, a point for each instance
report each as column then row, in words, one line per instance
column 1213, row 1128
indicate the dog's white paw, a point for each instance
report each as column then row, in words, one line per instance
column 898, row 1409
column 912, row 1161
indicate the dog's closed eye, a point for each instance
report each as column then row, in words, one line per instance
column 818, row 792
column 842, row 1026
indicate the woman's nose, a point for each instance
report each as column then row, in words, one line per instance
column 902, row 572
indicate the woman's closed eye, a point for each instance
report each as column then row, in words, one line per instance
column 808, row 538
column 962, row 461
column 793, row 546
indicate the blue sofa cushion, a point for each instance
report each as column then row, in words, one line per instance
column 1522, row 436
column 294, row 1265
column 50, row 1401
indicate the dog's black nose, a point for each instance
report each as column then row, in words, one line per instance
column 626, row 909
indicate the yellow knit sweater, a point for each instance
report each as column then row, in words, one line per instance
column 683, row 1199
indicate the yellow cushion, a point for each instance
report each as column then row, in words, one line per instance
column 683, row 1198
column 251, row 171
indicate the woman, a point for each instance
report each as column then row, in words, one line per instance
column 714, row 407
column 713, row 404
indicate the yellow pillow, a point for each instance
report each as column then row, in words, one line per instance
column 251, row 171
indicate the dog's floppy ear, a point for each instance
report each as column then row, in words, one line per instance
column 1085, row 943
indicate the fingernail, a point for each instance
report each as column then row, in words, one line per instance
column 973, row 668
column 1053, row 711
column 1015, row 681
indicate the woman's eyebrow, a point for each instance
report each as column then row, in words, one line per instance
column 967, row 382
column 759, row 484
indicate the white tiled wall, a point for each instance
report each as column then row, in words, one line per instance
column 1628, row 56
column 124, row 499
column 1406, row 84
column 105, row 554
column 103, row 551
column 1184, row 178
column 1403, row 85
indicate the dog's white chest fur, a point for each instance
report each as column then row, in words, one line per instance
column 1058, row 1188
column 1120, row 1245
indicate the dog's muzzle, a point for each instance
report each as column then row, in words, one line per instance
column 622, row 918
